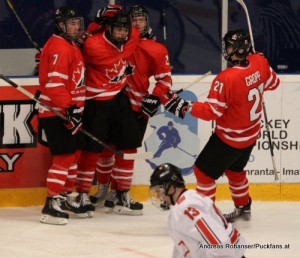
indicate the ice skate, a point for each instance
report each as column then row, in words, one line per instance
column 99, row 198
column 110, row 201
column 242, row 212
column 52, row 212
column 72, row 207
column 84, row 200
column 126, row 206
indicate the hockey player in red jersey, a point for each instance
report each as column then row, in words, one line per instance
column 149, row 59
column 235, row 103
column 195, row 224
column 61, row 78
column 108, row 114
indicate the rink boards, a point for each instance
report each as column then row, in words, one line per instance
column 24, row 161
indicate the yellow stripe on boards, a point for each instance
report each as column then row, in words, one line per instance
column 264, row 192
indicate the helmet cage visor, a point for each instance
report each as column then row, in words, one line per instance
column 120, row 34
column 236, row 44
column 71, row 29
column 158, row 197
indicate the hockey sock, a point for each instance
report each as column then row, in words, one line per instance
column 105, row 166
column 72, row 174
column 58, row 172
column 123, row 171
column 86, row 170
column 239, row 186
column 205, row 184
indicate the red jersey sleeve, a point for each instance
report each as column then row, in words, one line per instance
column 215, row 104
column 162, row 71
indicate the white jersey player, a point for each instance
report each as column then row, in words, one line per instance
column 196, row 225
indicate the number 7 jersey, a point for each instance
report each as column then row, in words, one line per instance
column 235, row 101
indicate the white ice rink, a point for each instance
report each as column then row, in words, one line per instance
column 115, row 236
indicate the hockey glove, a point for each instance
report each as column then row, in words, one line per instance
column 176, row 105
column 150, row 34
column 74, row 122
column 105, row 15
column 150, row 104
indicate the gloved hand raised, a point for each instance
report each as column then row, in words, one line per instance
column 150, row 104
column 176, row 105
column 74, row 122
column 106, row 14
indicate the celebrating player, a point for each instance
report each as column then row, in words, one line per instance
column 108, row 114
column 235, row 103
column 195, row 224
column 61, row 79
column 149, row 59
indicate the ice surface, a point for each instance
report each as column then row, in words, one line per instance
column 114, row 236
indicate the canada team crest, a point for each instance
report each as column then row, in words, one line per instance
column 119, row 71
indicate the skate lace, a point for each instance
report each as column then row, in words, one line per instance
column 111, row 195
column 56, row 203
column 127, row 199
column 102, row 191
column 85, row 200
column 234, row 214
column 73, row 203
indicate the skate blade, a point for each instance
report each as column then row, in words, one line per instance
column 99, row 204
column 90, row 214
column 126, row 211
column 108, row 210
column 47, row 219
column 96, row 202
column 77, row 215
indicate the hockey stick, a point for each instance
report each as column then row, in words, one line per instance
column 276, row 172
column 194, row 82
column 194, row 156
column 127, row 156
column 11, row 6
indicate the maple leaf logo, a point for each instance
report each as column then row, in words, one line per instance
column 117, row 73
column 78, row 75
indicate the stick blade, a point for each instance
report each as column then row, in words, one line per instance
column 140, row 155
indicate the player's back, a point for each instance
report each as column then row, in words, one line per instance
column 242, row 92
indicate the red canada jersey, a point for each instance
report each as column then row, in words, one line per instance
column 61, row 76
column 92, row 27
column 149, row 59
column 235, row 101
column 106, row 65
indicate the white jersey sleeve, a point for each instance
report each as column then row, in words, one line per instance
column 198, row 229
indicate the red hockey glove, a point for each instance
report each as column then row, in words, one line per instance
column 150, row 104
column 74, row 122
column 176, row 105
column 105, row 15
